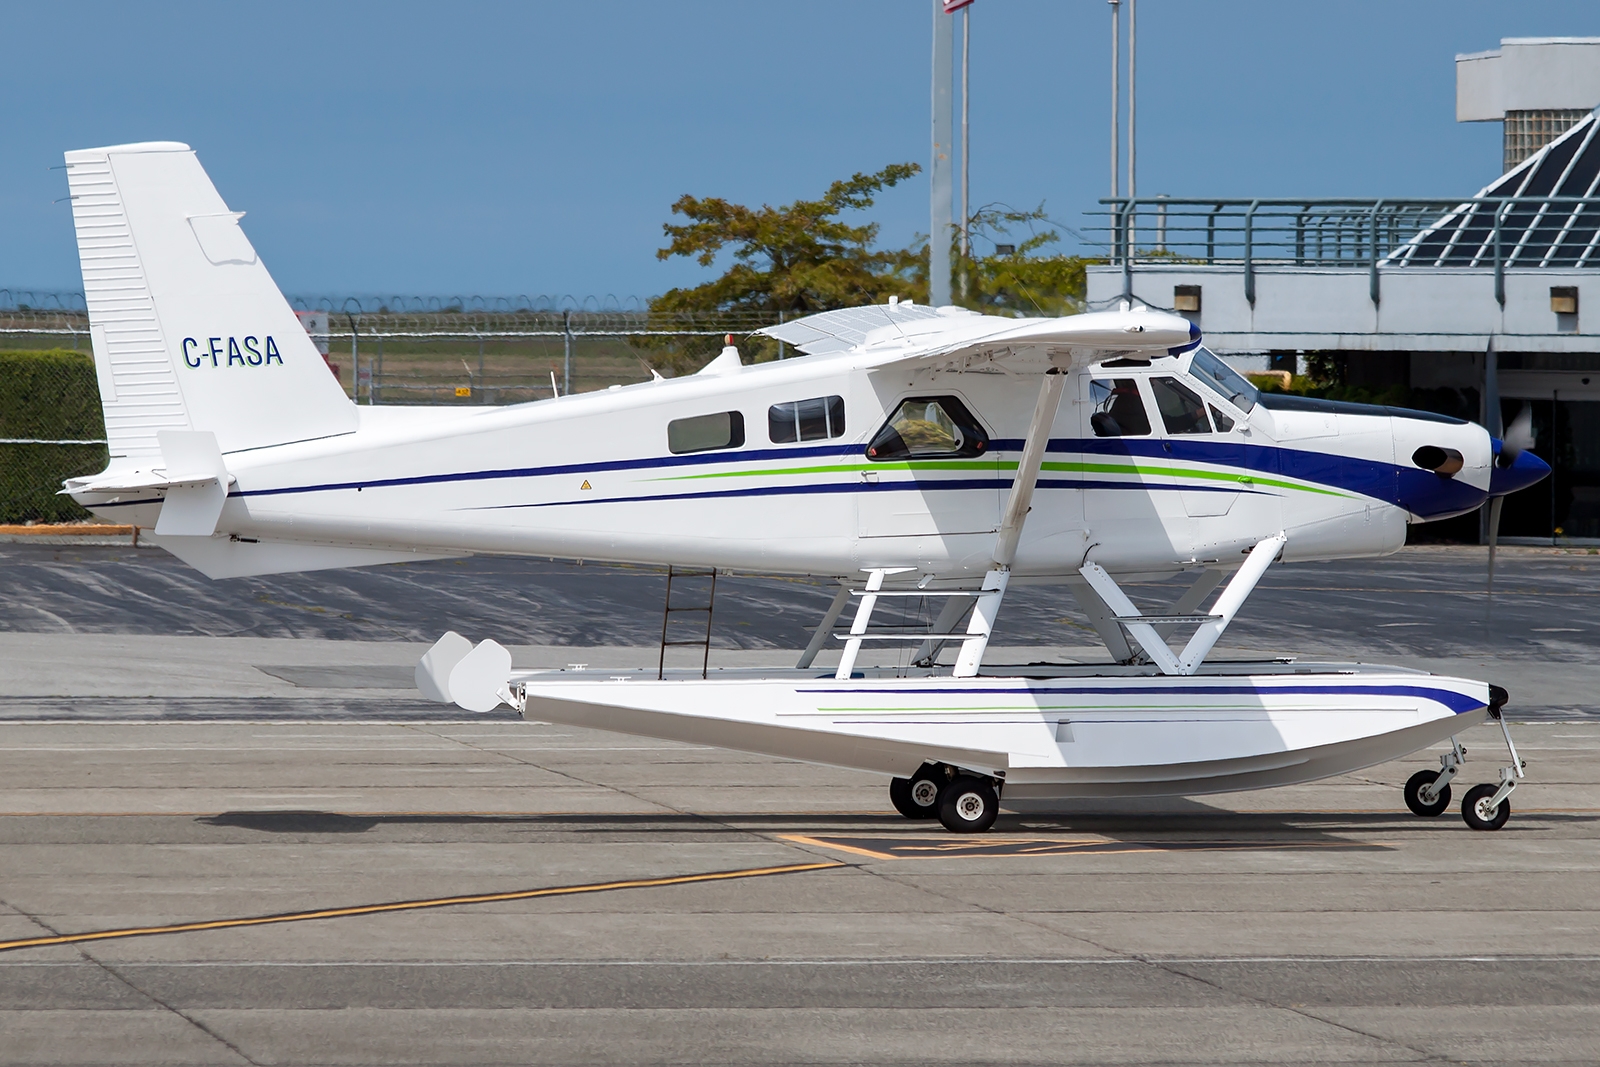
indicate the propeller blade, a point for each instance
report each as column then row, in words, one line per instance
column 1495, row 504
column 1519, row 435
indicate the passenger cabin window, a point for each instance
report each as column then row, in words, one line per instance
column 927, row 427
column 806, row 420
column 1224, row 379
column 703, row 433
column 1181, row 408
column 1118, row 408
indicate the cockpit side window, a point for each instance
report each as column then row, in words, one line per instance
column 1181, row 408
column 1118, row 408
column 1224, row 379
column 926, row 427
column 1222, row 422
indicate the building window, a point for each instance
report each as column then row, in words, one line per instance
column 1528, row 131
column 927, row 427
column 703, row 433
column 806, row 420
column 1118, row 408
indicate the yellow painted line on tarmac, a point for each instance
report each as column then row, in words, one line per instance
column 1025, row 847
column 414, row 905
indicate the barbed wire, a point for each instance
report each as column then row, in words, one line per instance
column 41, row 300
column 34, row 312
column 402, row 304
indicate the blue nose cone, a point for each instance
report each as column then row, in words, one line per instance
column 1527, row 469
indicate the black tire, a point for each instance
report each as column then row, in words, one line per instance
column 1470, row 813
column 922, row 790
column 1414, row 786
column 900, row 797
column 968, row 806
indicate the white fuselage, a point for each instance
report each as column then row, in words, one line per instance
column 592, row 476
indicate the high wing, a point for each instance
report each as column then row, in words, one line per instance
column 905, row 334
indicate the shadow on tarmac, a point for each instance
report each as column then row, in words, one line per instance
column 1177, row 829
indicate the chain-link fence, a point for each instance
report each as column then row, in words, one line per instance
column 50, row 430
column 394, row 350
column 404, row 355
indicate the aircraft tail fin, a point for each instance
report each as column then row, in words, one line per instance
column 189, row 331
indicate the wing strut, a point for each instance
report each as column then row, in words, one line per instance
column 1018, row 505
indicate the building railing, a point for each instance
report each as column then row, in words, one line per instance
column 1492, row 233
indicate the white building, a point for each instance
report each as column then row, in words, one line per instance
column 1472, row 307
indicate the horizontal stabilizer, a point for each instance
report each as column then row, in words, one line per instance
column 197, row 480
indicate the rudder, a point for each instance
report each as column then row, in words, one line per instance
column 189, row 330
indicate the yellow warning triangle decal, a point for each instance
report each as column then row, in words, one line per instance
column 586, row 485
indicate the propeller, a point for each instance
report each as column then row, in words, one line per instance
column 1519, row 435
column 1518, row 439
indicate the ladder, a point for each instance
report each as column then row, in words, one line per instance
column 678, row 575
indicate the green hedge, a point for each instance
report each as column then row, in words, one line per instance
column 50, row 395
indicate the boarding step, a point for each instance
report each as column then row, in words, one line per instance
column 695, row 583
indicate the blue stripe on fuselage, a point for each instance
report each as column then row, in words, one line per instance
column 1420, row 492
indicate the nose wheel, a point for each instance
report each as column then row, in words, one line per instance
column 1485, row 807
column 1425, row 796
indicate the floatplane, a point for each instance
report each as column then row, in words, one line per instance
column 908, row 451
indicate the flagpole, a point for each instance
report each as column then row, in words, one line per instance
column 942, row 199
column 966, row 142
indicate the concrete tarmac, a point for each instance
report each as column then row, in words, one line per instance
column 153, row 777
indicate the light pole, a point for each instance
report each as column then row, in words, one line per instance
column 1133, row 96
column 1116, row 85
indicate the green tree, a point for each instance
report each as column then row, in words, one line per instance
column 795, row 259
column 1018, row 282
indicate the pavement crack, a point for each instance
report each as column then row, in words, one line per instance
column 129, row 983
column 179, row 1012
column 1168, row 968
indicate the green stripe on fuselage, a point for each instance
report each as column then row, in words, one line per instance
column 1186, row 472
column 1001, row 466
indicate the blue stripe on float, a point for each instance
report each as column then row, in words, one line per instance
column 1456, row 702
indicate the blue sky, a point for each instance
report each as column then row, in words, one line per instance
column 498, row 149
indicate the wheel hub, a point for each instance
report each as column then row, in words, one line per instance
column 924, row 793
column 970, row 806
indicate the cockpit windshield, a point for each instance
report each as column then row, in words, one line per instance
column 1224, row 379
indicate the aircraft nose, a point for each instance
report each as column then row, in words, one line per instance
column 1513, row 472
column 1443, row 465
